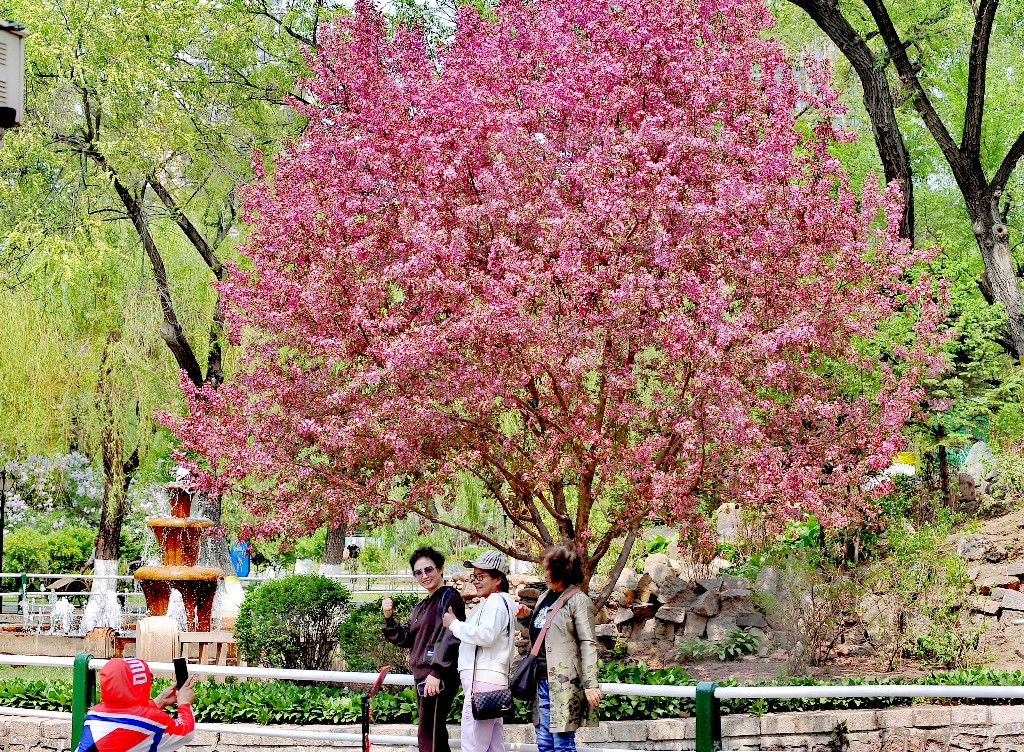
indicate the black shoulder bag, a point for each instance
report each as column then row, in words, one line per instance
column 489, row 705
column 523, row 684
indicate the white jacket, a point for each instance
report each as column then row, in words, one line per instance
column 489, row 633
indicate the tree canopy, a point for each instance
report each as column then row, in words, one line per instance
column 593, row 257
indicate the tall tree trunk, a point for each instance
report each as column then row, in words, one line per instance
column 117, row 475
column 993, row 239
column 334, row 550
column 877, row 98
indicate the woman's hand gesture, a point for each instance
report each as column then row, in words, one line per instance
column 449, row 618
column 387, row 606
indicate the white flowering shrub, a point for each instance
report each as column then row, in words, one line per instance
column 66, row 484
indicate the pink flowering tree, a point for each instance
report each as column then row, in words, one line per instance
column 594, row 255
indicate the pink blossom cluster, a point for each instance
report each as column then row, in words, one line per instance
column 596, row 254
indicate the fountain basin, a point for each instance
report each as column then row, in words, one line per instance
column 179, row 539
column 197, row 586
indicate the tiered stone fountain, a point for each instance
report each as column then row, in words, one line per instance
column 180, row 537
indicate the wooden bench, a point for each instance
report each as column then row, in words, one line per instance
column 213, row 647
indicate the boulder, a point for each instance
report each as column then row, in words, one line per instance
column 998, row 593
column 644, row 610
column 710, row 586
column 695, row 626
column 768, row 581
column 628, row 579
column 1013, row 600
column 606, row 632
column 646, row 589
column 733, row 582
column 664, row 630
column 1014, row 568
column 987, row 606
column 603, row 616
column 622, row 616
column 676, row 590
column 754, row 620
column 673, row 614
column 719, row 627
column 529, row 593
column 987, row 584
column 981, row 465
column 643, row 631
column 735, row 602
column 764, row 645
column 706, row 604
column 973, row 547
column 658, row 567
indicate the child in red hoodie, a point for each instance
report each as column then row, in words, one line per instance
column 127, row 720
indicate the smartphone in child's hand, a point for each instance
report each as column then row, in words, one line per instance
column 180, row 671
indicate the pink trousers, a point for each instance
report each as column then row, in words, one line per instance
column 480, row 736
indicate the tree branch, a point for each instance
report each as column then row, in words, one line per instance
column 620, row 564
column 170, row 330
column 970, row 144
column 509, row 551
column 191, row 232
column 878, row 100
column 1008, row 165
column 922, row 103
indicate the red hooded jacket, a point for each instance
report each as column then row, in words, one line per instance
column 127, row 720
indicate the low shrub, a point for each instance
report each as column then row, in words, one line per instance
column 737, row 643
column 69, row 548
column 26, row 550
column 362, row 642
column 283, row 702
column 292, row 622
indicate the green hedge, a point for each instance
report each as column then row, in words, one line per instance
column 362, row 640
column 283, row 702
column 292, row 622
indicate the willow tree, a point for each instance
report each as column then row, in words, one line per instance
column 141, row 120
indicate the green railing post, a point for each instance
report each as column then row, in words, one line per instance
column 709, row 718
column 84, row 696
column 21, row 594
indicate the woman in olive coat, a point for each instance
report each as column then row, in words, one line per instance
column 567, row 691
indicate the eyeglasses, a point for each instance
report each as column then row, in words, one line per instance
column 426, row 571
column 478, row 577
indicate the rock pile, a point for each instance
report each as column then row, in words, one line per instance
column 658, row 610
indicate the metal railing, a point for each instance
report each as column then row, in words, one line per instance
column 357, row 582
column 708, row 696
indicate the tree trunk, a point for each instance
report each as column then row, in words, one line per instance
column 947, row 501
column 1000, row 269
column 334, row 550
column 613, row 577
column 878, row 100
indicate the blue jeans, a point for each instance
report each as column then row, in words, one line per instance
column 546, row 741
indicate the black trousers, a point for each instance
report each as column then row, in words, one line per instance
column 433, row 723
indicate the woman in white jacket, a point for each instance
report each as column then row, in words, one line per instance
column 488, row 643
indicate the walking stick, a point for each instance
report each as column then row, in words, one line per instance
column 368, row 707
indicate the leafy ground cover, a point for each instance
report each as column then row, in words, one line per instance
column 284, row 702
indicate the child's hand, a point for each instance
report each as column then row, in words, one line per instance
column 167, row 697
column 187, row 694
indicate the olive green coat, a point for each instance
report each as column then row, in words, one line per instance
column 570, row 647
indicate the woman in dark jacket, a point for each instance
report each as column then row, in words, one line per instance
column 434, row 652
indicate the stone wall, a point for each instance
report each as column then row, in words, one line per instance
column 921, row 728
